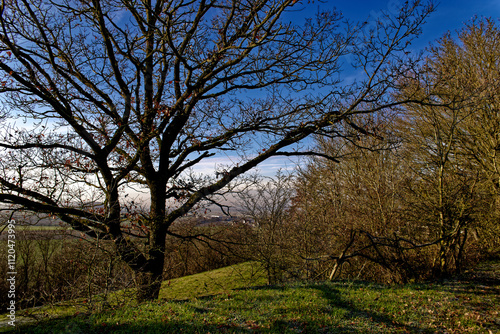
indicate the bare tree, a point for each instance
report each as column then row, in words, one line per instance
column 454, row 148
column 468, row 68
column 350, row 206
column 133, row 94
column 443, row 192
column 267, row 204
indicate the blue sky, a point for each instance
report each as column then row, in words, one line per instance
column 450, row 15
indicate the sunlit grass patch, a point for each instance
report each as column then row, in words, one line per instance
column 221, row 280
column 302, row 307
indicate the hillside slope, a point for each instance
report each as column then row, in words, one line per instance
column 469, row 304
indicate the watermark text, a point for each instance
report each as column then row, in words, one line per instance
column 11, row 272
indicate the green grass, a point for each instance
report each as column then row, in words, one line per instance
column 214, row 282
column 459, row 306
column 204, row 284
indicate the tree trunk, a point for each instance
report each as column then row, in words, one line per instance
column 150, row 276
column 148, row 284
column 148, row 270
column 148, row 279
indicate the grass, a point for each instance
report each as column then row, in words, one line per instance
column 470, row 304
column 214, row 282
column 217, row 281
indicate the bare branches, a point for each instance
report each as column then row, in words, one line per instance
column 136, row 93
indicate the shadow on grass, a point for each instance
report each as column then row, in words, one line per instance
column 86, row 324
column 83, row 327
column 355, row 318
column 380, row 322
column 150, row 327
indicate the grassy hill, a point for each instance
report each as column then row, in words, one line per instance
column 232, row 300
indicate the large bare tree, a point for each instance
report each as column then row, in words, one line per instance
column 456, row 147
column 119, row 94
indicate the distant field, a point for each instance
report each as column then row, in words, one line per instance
column 36, row 244
column 469, row 304
column 40, row 232
column 41, row 228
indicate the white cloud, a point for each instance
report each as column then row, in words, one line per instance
column 267, row 168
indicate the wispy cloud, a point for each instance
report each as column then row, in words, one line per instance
column 266, row 168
